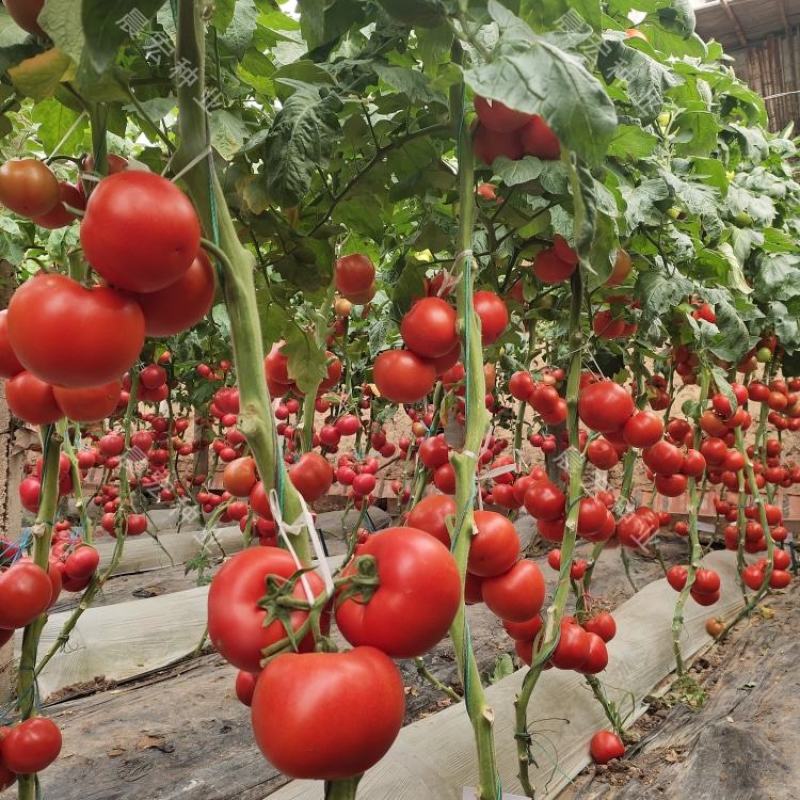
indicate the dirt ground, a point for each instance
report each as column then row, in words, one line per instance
column 731, row 735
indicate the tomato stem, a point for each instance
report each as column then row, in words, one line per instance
column 344, row 789
column 237, row 270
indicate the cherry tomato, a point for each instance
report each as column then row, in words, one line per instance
column 606, row 746
column 312, row 476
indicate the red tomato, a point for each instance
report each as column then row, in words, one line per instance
column 489, row 145
column 430, row 515
column 312, row 476
column 239, row 477
column 25, row 13
column 495, row 547
column 31, row 746
column 28, row 187
column 9, row 363
column 572, row 650
column 602, row 454
column 523, row 631
column 58, row 216
column 182, row 304
column 68, row 335
column 90, row 404
column 29, row 491
column 605, row 406
column 603, row 625
column 550, row 268
column 403, row 377
column 663, row 458
column 545, row 501
column 539, row 140
column 429, row 328
column 245, row 686
column 416, row 600
column 25, row 593
column 299, row 718
column 592, row 515
column 32, row 400
column 643, row 429
column 671, row 485
column 596, row 657
column 621, row 270
column 434, row 451
column 676, row 577
column 235, row 620
column 354, row 276
column 516, row 595
column 606, row 746
column 130, row 240
column 82, row 562
column 493, row 315
column 498, row 117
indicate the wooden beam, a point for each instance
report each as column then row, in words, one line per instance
column 737, row 26
column 784, row 18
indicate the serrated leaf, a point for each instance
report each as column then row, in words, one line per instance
column 513, row 173
column 298, row 142
column 239, row 32
column 223, row 14
column 733, row 339
column 59, row 20
column 410, row 82
column 631, row 143
column 54, row 120
column 307, row 360
column 107, row 25
column 640, row 201
column 228, row 133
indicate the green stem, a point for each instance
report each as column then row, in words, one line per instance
column 696, row 551
column 237, row 270
column 465, row 463
column 428, row 676
column 343, row 789
column 42, row 535
column 552, row 624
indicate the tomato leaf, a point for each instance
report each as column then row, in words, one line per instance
column 307, row 360
column 107, row 26
column 39, row 77
column 59, row 20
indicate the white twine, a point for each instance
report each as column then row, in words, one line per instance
column 493, row 473
column 305, row 520
column 69, row 133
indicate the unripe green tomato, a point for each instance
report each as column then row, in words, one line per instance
column 674, row 212
column 743, row 218
column 764, row 355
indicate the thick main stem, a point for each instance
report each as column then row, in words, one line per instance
column 552, row 624
column 42, row 535
column 696, row 551
column 236, row 267
column 465, row 463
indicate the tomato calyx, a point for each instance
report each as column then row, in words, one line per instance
column 361, row 585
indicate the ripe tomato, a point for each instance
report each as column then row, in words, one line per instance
column 129, row 239
column 663, row 458
column 493, row 315
column 239, row 476
column 25, row 593
column 58, row 216
column 312, row 476
column 31, row 746
column 592, row 515
column 671, row 485
column 602, row 454
column 489, row 145
column 643, row 429
column 403, row 377
column 495, row 547
column 429, row 328
column 430, row 515
column 68, row 335
column 25, row 13
column 416, row 600
column 572, row 650
column 606, row 746
column 82, row 562
column 676, row 577
column 603, row 625
column 32, row 400
column 596, row 657
column 90, row 404
column 235, row 620
column 328, row 716
column 605, row 406
column 28, row 187
column 523, row 631
column 550, row 268
column 245, row 687
column 354, row 276
column 516, row 595
column 545, row 501
column 539, row 140
column 9, row 363
column 182, row 304
column 498, row 117
column 434, row 451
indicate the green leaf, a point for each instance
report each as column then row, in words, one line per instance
column 54, row 120
column 778, row 276
column 410, row 82
column 502, row 669
column 513, row 173
column 786, row 327
column 38, row 77
column 736, row 279
column 641, row 201
column 679, row 17
column 223, row 14
column 307, row 360
column 239, row 33
column 298, row 142
column 733, row 339
column 59, row 20
column 631, row 143
column 530, row 74
column 228, row 133
column 107, row 26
